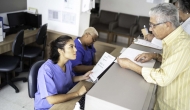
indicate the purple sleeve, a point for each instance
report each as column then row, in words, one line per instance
column 46, row 84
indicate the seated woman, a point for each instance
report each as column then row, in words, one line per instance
column 55, row 76
column 85, row 60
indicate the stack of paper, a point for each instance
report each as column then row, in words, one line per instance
column 185, row 25
column 132, row 53
column 147, row 43
column 105, row 61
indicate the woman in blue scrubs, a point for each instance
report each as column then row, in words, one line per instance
column 85, row 59
column 55, row 76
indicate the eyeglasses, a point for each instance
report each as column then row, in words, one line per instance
column 154, row 25
column 93, row 39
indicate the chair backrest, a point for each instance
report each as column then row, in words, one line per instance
column 126, row 20
column 18, row 44
column 32, row 78
column 107, row 16
column 143, row 20
column 41, row 35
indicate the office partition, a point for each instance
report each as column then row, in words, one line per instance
column 12, row 5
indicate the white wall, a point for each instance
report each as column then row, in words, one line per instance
column 134, row 7
column 59, row 5
column 84, row 22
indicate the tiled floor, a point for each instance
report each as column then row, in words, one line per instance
column 9, row 100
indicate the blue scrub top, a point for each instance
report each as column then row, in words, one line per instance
column 51, row 81
column 84, row 57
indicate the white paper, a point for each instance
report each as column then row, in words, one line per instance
column 77, row 106
column 156, row 1
column 4, row 35
column 32, row 10
column 5, row 27
column 186, row 26
column 86, row 5
column 70, row 5
column 150, row 1
column 123, row 49
column 93, row 3
column 146, row 43
column 54, row 15
column 157, row 42
column 1, row 31
column 102, row 64
column 69, row 18
column 132, row 53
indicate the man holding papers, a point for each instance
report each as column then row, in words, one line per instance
column 183, row 7
column 173, row 76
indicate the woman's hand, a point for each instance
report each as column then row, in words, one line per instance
column 82, row 77
column 86, row 75
column 81, row 91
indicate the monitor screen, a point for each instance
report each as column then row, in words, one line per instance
column 16, row 19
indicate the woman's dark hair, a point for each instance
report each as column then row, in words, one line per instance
column 184, row 5
column 58, row 43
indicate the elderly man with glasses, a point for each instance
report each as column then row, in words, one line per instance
column 183, row 7
column 173, row 76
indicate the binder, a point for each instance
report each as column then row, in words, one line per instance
column 1, row 29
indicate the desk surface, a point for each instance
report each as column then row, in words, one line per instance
column 69, row 105
column 100, row 47
column 108, row 87
column 6, row 45
column 121, row 89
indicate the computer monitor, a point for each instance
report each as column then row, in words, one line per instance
column 16, row 19
column 33, row 20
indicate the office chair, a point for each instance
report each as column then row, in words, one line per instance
column 32, row 78
column 143, row 20
column 13, row 63
column 103, row 22
column 123, row 26
column 34, row 51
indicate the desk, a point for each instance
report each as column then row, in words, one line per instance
column 122, row 89
column 133, row 91
column 69, row 105
column 100, row 49
column 6, row 45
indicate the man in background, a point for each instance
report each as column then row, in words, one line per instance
column 173, row 76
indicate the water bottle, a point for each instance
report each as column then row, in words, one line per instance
column 146, row 29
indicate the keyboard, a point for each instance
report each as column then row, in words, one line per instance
column 82, row 102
